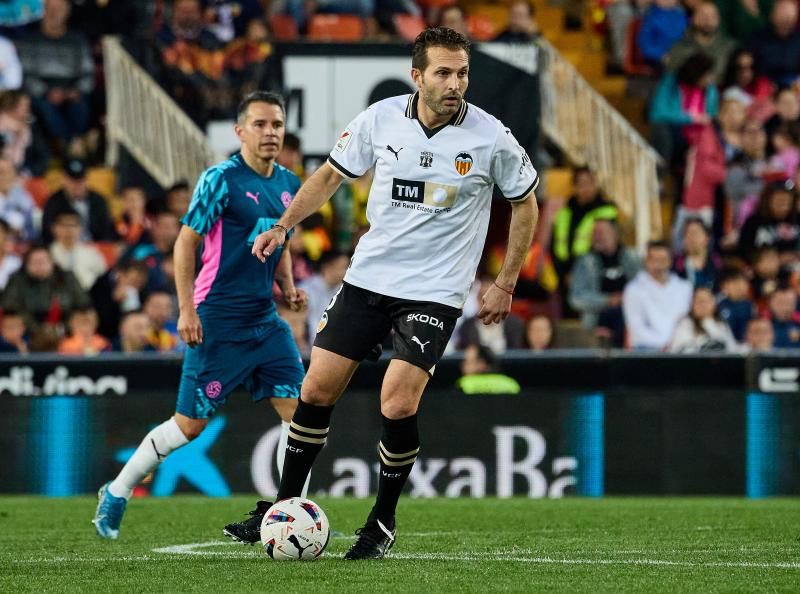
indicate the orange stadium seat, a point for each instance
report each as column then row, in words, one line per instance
column 481, row 27
column 335, row 27
column 496, row 13
column 283, row 27
column 408, row 26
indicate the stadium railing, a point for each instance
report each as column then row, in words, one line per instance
column 148, row 123
column 591, row 132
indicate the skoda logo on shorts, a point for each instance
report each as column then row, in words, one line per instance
column 323, row 321
column 463, row 163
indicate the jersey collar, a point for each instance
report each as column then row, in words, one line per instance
column 456, row 120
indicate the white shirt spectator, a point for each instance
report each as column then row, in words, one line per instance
column 83, row 260
column 716, row 336
column 9, row 264
column 652, row 309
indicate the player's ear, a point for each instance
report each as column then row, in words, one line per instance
column 416, row 76
column 238, row 129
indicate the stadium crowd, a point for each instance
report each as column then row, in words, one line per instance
column 82, row 273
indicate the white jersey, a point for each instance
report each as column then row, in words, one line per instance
column 430, row 200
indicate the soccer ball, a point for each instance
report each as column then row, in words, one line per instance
column 295, row 529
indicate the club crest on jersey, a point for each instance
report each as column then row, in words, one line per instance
column 463, row 163
column 323, row 321
column 343, row 141
column 425, row 159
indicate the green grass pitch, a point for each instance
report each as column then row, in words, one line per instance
column 444, row 545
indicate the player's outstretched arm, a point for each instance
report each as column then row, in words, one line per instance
column 497, row 300
column 314, row 193
column 189, row 326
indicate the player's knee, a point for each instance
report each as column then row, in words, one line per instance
column 314, row 393
column 398, row 408
column 191, row 428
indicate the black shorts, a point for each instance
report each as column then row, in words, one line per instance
column 357, row 319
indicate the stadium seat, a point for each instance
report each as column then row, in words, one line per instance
column 496, row 13
column 283, row 27
column 335, row 27
column 481, row 27
column 408, row 26
column 632, row 60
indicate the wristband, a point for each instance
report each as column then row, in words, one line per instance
column 282, row 228
column 511, row 292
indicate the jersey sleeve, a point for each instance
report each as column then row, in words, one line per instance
column 512, row 170
column 353, row 153
column 208, row 201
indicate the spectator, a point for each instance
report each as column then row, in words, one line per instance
column 96, row 223
column 9, row 261
column 522, row 27
column 774, row 224
column 785, row 324
column 481, row 374
column 718, row 143
column 735, row 305
column 508, row 334
column 703, row 330
column 768, row 274
column 163, row 232
column 697, row 263
column 291, row 155
column 760, row 336
column 776, row 47
column 322, row 287
column 43, row 293
column 133, row 226
column 59, row 76
column 703, row 36
column 79, row 257
column 228, row 20
column 744, row 177
column 246, row 58
column 83, row 339
column 301, row 268
column 15, row 126
column 117, row 293
column 160, row 311
column 10, row 67
column 134, row 330
column 741, row 75
column 539, row 333
column 12, row 333
column 663, row 24
column 194, row 63
column 16, row 205
column 298, row 323
column 684, row 102
column 786, row 159
column 742, row 18
column 178, row 197
column 453, row 17
column 573, row 223
column 598, row 280
column 655, row 300
column 787, row 111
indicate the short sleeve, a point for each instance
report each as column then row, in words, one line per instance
column 512, row 170
column 208, row 201
column 353, row 155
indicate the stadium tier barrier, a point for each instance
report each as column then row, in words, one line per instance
column 585, row 423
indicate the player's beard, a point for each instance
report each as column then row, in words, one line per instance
column 437, row 104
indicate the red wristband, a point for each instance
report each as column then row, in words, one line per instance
column 511, row 292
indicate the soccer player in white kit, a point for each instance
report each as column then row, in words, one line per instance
column 437, row 159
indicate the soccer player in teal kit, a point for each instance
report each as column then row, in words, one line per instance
column 227, row 314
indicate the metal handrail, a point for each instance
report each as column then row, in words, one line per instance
column 591, row 132
column 148, row 123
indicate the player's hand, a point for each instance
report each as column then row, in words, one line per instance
column 190, row 328
column 496, row 305
column 267, row 242
column 296, row 299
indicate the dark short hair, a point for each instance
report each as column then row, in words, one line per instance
column 181, row 184
column 486, row 355
column 579, row 171
column 694, row 69
column 259, row 97
column 66, row 211
column 658, row 244
column 695, row 221
column 329, row 257
column 291, row 142
column 4, row 226
column 436, row 37
column 731, row 273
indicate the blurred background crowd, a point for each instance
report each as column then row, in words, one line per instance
column 86, row 268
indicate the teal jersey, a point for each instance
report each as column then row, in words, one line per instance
column 231, row 205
